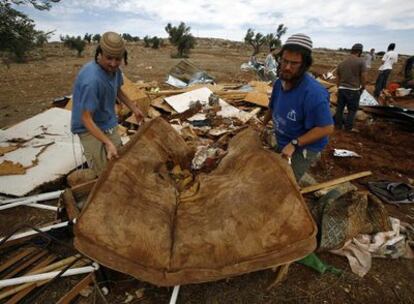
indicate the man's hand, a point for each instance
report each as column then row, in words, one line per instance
column 138, row 115
column 263, row 134
column 287, row 151
column 111, row 151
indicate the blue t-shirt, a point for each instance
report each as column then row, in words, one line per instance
column 298, row 110
column 95, row 91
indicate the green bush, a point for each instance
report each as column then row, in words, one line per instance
column 74, row 43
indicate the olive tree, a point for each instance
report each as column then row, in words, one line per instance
column 181, row 37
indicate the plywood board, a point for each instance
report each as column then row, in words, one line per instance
column 46, row 140
column 258, row 98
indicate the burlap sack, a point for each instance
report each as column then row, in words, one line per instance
column 244, row 216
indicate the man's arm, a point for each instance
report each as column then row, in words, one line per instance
column 130, row 104
column 338, row 77
column 309, row 137
column 266, row 119
column 90, row 125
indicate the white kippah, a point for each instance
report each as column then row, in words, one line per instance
column 300, row 39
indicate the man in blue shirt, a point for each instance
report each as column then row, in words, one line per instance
column 96, row 89
column 299, row 107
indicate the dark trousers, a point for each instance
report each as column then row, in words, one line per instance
column 350, row 99
column 381, row 82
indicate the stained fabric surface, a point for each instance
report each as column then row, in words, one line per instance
column 244, row 216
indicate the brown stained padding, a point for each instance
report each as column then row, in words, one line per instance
column 247, row 214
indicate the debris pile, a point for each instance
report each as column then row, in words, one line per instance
column 206, row 198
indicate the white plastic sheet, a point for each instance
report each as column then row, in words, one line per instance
column 367, row 99
column 345, row 153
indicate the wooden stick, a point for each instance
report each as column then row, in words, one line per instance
column 67, row 298
column 282, row 272
column 335, row 182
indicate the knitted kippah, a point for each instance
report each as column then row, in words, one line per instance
column 357, row 47
column 300, row 39
column 112, row 44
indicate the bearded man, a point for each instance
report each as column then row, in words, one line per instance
column 299, row 107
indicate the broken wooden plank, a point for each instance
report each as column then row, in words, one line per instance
column 67, row 298
column 30, row 261
column 136, row 95
column 25, row 252
column 69, row 202
column 25, row 291
column 57, row 266
column 335, row 182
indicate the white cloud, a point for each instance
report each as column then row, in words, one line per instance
column 230, row 19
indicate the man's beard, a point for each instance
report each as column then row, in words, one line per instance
column 291, row 77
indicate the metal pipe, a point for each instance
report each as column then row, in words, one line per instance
column 28, row 204
column 174, row 295
column 29, row 233
column 47, row 275
column 34, row 198
column 43, row 206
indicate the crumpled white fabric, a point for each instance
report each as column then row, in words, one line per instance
column 345, row 153
column 360, row 250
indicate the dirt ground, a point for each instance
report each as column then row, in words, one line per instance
column 386, row 149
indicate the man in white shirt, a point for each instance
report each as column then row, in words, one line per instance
column 388, row 60
column 369, row 58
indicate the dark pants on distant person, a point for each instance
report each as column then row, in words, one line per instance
column 350, row 99
column 381, row 82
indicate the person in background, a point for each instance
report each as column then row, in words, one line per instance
column 369, row 58
column 409, row 73
column 351, row 79
column 96, row 89
column 299, row 107
column 388, row 60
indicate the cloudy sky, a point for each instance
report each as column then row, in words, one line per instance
column 331, row 24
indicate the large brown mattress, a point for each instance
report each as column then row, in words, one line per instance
column 244, row 216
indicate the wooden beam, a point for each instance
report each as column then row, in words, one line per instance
column 335, row 182
column 68, row 201
column 67, row 298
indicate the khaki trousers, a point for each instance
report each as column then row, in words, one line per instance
column 94, row 150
